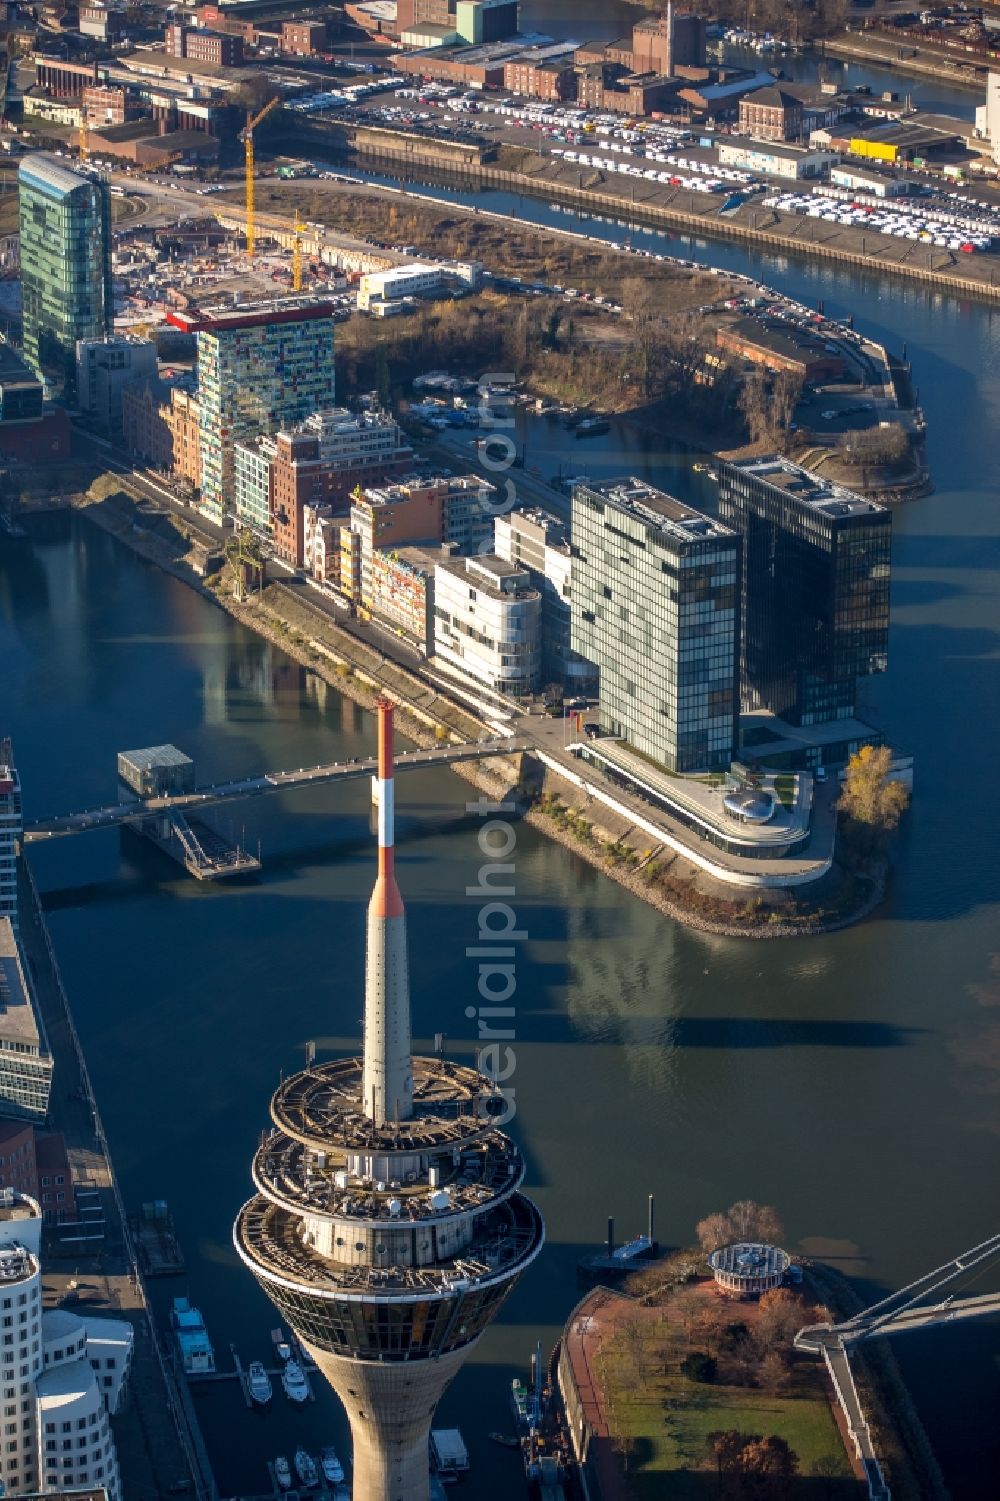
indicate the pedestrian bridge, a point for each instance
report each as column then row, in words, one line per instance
column 270, row 781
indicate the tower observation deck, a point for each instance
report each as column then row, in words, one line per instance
column 388, row 1225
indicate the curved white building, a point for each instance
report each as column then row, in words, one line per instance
column 55, row 1431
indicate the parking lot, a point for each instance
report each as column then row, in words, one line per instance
column 951, row 222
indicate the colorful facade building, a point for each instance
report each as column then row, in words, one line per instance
column 260, row 368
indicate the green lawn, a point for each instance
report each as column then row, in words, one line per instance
column 668, row 1417
column 674, row 1436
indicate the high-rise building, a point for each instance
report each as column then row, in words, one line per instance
column 57, row 1436
column 11, row 829
column 815, row 591
column 388, row 1226
column 65, row 224
column 259, row 367
column 656, row 609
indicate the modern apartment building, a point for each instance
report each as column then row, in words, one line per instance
column 540, row 543
column 260, row 367
column 105, row 369
column 11, row 828
column 25, row 1059
column 656, row 608
column 320, row 462
column 431, row 511
column 488, row 623
column 65, row 224
column 815, row 590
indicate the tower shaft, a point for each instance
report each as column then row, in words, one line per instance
column 390, row 1406
column 388, row 1082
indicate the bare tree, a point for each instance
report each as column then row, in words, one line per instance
column 754, row 404
column 713, row 1232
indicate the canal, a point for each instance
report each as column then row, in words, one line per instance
column 853, row 1081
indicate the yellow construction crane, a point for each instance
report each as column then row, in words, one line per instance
column 297, row 256
column 246, row 136
column 84, row 137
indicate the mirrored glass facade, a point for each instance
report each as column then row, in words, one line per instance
column 655, row 607
column 65, row 225
column 815, row 597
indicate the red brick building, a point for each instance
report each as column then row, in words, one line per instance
column 553, row 82
column 222, row 49
column 303, row 38
column 36, row 1163
column 771, row 114
column 604, row 86
column 105, row 105
column 655, row 50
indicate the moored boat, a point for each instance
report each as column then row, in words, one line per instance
column 259, row 1383
column 294, row 1382
column 305, row 1468
column 333, row 1470
column 283, row 1472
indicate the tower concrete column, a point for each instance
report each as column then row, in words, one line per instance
column 390, row 1405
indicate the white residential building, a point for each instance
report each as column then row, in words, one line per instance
column 57, row 1434
column 539, row 542
column 488, row 622
column 399, row 281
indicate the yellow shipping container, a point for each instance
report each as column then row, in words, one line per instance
column 879, row 151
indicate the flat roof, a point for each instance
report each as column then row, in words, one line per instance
column 810, row 489
column 485, row 573
column 682, row 523
column 250, row 315
column 782, row 338
column 769, row 148
column 155, row 755
column 18, row 1022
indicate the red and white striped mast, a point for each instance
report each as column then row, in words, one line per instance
column 388, row 1077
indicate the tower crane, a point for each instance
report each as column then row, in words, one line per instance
column 297, row 256
column 83, row 138
column 246, row 136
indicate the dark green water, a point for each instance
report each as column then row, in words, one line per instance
column 853, row 1081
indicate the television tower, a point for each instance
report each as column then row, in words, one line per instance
column 388, row 1225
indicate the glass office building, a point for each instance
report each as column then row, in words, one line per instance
column 65, row 224
column 655, row 606
column 815, row 596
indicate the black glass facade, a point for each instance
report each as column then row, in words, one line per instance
column 815, row 594
column 390, row 1330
